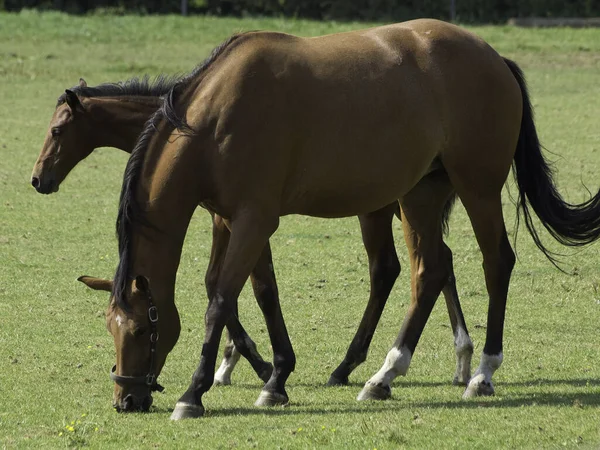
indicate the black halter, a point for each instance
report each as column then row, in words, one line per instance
column 149, row 379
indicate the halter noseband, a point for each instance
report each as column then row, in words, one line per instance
column 149, row 379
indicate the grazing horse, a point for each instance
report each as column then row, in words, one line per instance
column 115, row 114
column 331, row 126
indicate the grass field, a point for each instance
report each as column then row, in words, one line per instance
column 55, row 352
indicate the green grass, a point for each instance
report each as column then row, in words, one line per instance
column 55, row 352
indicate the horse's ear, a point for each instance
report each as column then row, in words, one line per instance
column 142, row 284
column 82, row 83
column 98, row 284
column 73, row 101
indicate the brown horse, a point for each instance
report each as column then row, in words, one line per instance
column 332, row 126
column 114, row 115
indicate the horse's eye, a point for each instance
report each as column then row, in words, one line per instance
column 55, row 132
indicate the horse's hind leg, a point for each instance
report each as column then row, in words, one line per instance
column 463, row 346
column 485, row 212
column 245, row 346
column 384, row 268
column 421, row 221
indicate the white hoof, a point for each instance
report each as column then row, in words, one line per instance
column 478, row 387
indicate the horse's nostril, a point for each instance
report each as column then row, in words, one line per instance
column 127, row 403
column 35, row 182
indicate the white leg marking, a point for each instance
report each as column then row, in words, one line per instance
column 378, row 387
column 463, row 347
column 396, row 363
column 223, row 375
column 481, row 383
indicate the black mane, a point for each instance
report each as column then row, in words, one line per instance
column 142, row 87
column 130, row 213
column 168, row 106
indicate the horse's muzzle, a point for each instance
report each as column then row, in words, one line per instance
column 44, row 187
column 133, row 403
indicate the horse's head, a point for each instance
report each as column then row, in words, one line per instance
column 143, row 334
column 67, row 142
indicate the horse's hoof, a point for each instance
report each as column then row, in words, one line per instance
column 374, row 392
column 335, row 381
column 267, row 398
column 266, row 372
column 478, row 387
column 187, row 411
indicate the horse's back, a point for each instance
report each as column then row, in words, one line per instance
column 358, row 116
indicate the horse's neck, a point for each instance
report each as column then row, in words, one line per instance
column 157, row 258
column 118, row 121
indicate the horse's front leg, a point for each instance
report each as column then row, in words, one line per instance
column 245, row 346
column 249, row 236
column 265, row 290
column 384, row 269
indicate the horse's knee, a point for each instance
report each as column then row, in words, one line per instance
column 219, row 310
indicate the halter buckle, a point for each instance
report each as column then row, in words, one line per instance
column 153, row 314
column 150, row 379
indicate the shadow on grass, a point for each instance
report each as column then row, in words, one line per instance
column 534, row 398
column 532, row 382
column 577, row 400
column 407, row 383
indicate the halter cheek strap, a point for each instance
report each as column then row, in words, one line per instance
column 150, row 378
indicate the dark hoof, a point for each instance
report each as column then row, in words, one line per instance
column 374, row 392
column 267, row 398
column 187, row 411
column 266, row 372
column 478, row 387
column 458, row 381
column 335, row 381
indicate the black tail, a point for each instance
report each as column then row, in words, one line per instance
column 572, row 225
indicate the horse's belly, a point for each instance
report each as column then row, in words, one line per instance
column 347, row 191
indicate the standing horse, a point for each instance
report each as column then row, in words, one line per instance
column 114, row 115
column 332, row 126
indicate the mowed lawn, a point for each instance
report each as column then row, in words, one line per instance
column 55, row 352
